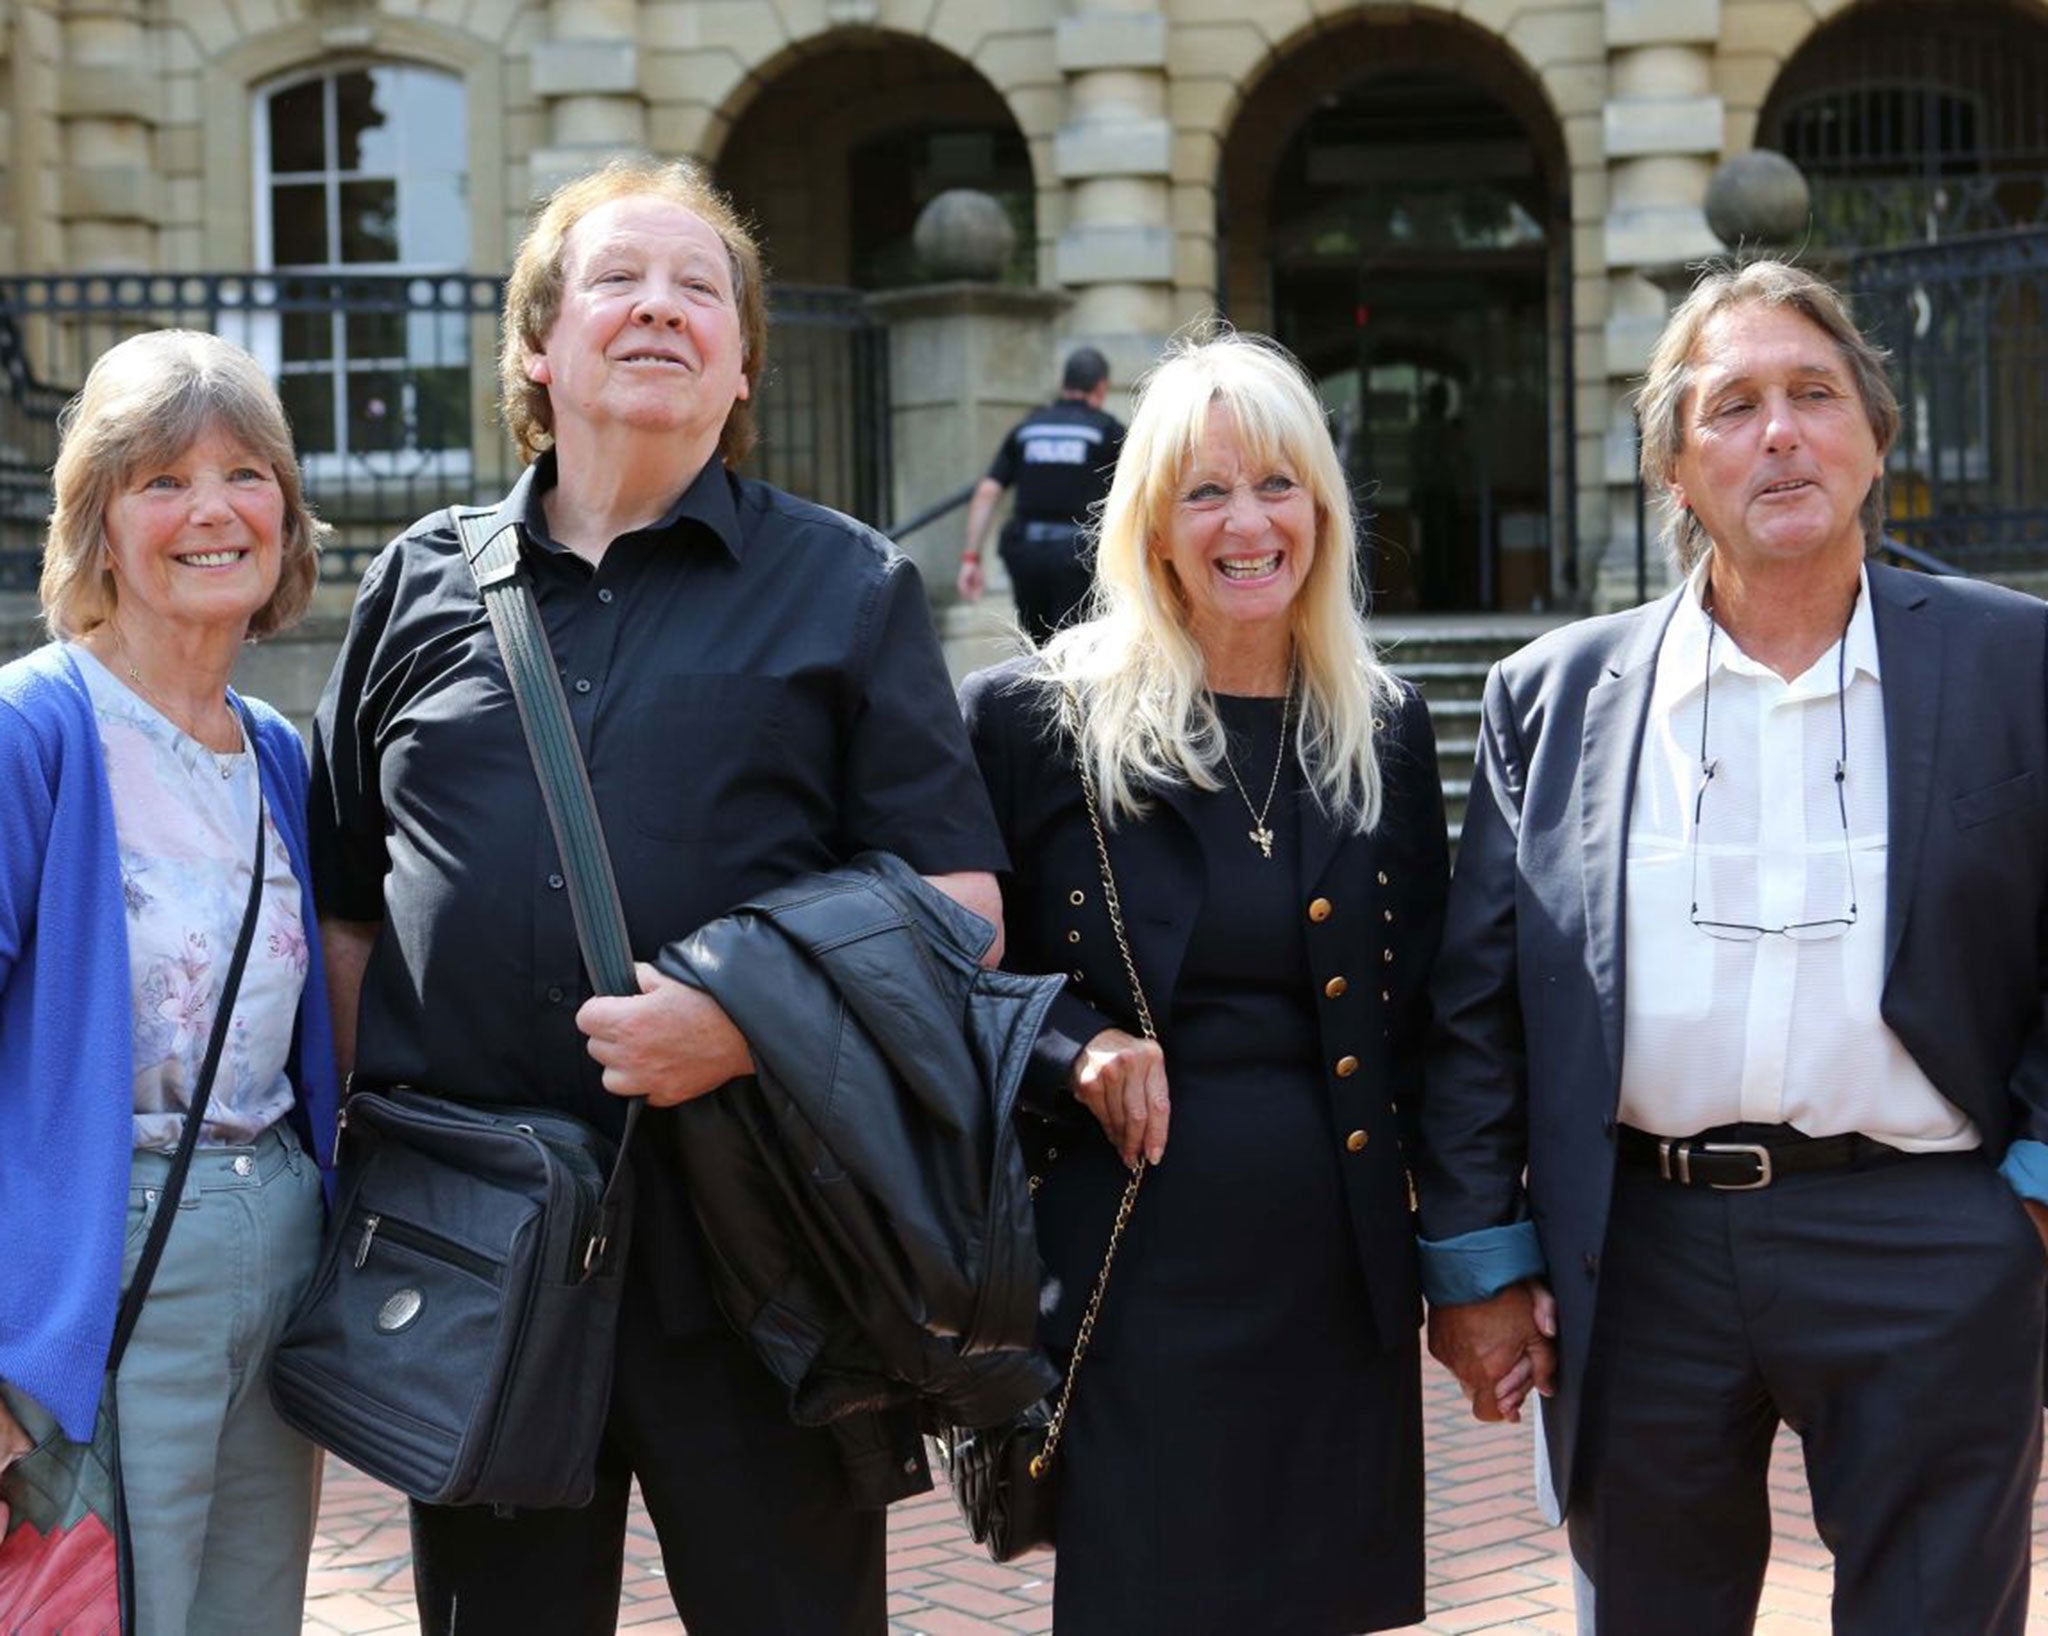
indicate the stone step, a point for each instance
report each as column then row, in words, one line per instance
column 1448, row 658
column 1442, row 680
column 1416, row 640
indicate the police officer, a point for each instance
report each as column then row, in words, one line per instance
column 1060, row 459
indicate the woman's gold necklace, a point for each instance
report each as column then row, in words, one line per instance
column 224, row 760
column 1262, row 837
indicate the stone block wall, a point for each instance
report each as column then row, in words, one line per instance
column 126, row 133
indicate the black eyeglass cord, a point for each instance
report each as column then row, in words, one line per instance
column 1707, row 767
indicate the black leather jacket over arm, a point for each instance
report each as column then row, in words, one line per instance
column 863, row 1196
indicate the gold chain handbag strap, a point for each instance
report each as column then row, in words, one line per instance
column 1042, row 1461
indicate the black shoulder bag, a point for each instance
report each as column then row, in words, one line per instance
column 458, row 1336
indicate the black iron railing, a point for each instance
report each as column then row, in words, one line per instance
column 910, row 525
column 1966, row 323
column 391, row 384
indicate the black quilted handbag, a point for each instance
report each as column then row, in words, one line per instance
column 1004, row 1483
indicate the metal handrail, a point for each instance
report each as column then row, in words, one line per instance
column 1913, row 557
column 931, row 513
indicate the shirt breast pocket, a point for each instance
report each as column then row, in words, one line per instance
column 706, row 751
column 1670, row 960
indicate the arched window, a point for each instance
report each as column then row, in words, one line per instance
column 364, row 171
column 1916, row 121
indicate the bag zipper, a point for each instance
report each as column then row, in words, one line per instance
column 418, row 1238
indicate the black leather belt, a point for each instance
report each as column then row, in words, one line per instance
column 1742, row 1167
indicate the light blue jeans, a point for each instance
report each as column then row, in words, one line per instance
column 221, row 1494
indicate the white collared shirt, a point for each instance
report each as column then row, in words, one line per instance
column 1776, row 1030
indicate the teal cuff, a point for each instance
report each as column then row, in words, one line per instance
column 2026, row 1167
column 1474, row 1266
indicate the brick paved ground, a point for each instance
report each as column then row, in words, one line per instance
column 1493, row 1566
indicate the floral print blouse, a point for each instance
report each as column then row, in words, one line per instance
column 185, row 820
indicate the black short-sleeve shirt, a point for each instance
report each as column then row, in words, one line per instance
column 759, row 694
column 1061, row 460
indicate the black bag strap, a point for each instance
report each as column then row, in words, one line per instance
column 1041, row 1462
column 181, row 1162
column 564, row 781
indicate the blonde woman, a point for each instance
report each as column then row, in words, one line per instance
column 132, row 786
column 1245, row 1449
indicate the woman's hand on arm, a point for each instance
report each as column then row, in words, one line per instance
column 1121, row 1079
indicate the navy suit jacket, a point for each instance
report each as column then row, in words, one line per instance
column 1524, row 1073
column 1381, row 908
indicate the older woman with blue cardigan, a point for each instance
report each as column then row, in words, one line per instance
column 132, row 787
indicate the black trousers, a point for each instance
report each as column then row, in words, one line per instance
column 758, row 1536
column 1892, row 1316
column 1050, row 571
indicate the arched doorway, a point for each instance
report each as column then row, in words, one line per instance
column 842, row 146
column 836, row 157
column 1917, row 120
column 1394, row 210
column 1923, row 131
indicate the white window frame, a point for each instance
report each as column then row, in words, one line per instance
column 265, row 327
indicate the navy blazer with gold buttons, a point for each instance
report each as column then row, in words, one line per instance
column 1371, row 913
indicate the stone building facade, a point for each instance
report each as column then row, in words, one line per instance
column 1456, row 213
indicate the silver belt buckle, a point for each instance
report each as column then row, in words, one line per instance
column 1763, row 1159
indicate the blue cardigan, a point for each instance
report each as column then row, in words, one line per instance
column 67, row 1030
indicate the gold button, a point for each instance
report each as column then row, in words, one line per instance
column 1075, row 937
column 1383, row 878
column 1387, row 915
column 1346, row 1067
column 1319, row 910
column 1386, row 994
column 1077, row 976
column 1077, row 897
column 1386, row 955
column 1335, row 988
column 1356, row 1141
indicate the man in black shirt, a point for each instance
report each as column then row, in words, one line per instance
column 758, row 693
column 1061, row 460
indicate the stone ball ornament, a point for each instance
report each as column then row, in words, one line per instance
column 1759, row 199
column 964, row 234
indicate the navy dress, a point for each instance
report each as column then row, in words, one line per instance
column 1243, row 1454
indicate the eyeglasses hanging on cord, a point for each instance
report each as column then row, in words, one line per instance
column 1812, row 931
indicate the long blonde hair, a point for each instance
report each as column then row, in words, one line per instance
column 1147, row 718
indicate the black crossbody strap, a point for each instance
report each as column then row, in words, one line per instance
column 174, row 1183
column 558, row 763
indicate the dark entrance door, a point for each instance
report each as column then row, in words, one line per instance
column 1435, row 379
column 1411, row 274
